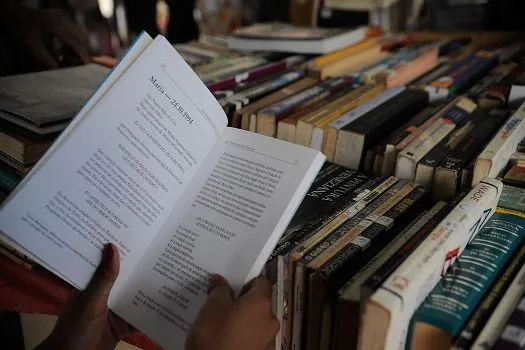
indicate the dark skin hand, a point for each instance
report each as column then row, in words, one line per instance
column 30, row 29
column 224, row 322
column 85, row 322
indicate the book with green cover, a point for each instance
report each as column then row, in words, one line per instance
column 512, row 198
column 447, row 308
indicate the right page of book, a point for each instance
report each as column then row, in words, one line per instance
column 228, row 222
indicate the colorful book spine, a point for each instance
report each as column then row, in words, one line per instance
column 256, row 73
column 486, row 307
column 404, row 290
column 448, row 307
column 495, row 156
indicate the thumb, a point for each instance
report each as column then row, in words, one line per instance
column 220, row 299
column 106, row 273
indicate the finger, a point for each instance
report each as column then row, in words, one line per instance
column 261, row 286
column 220, row 298
column 106, row 273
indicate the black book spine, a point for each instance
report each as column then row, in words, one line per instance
column 394, row 113
column 375, row 281
column 341, row 231
column 480, row 317
column 333, row 195
column 372, row 237
column 461, row 154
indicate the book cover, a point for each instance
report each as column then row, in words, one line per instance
column 394, row 303
column 354, row 138
column 452, row 301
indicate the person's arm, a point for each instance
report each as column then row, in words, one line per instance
column 31, row 29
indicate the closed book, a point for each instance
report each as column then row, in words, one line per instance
column 317, row 132
column 499, row 94
column 490, row 301
column 398, row 140
column 449, row 173
column 256, row 73
column 331, row 269
column 409, row 70
column 346, row 318
column 268, row 117
column 513, row 335
column 449, row 117
column 350, row 64
column 305, row 125
column 462, row 74
column 512, row 198
column 374, row 282
column 355, row 138
column 447, row 308
column 426, row 167
column 493, row 78
column 286, row 128
column 495, row 156
column 301, row 276
column 515, row 176
column 325, row 60
column 491, row 330
column 332, row 130
column 22, row 149
column 305, row 239
column 517, row 158
column 333, row 189
column 388, row 311
column 9, row 178
column 238, row 101
column 251, row 109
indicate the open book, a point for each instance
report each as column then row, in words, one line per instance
column 149, row 165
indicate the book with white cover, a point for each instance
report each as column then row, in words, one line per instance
column 283, row 37
column 496, row 155
column 387, row 314
column 149, row 165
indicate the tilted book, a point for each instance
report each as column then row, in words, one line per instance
column 149, row 165
column 389, row 309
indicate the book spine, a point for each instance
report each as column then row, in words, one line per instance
column 496, row 154
column 374, row 282
column 346, row 214
column 485, row 309
column 282, row 107
column 375, row 224
column 494, row 327
column 350, row 227
column 410, row 283
column 455, row 297
column 513, row 336
column 371, row 239
column 256, row 73
column 496, row 75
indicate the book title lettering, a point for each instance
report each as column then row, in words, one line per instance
column 173, row 102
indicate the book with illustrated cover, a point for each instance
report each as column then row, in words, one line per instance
column 179, row 194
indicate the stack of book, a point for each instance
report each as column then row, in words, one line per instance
column 411, row 235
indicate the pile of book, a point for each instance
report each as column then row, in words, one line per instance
column 411, row 235
column 375, row 263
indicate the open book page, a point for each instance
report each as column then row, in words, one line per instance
column 228, row 222
column 119, row 174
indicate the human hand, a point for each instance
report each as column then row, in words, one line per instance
column 31, row 29
column 86, row 323
column 225, row 323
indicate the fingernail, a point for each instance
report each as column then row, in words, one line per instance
column 215, row 280
column 109, row 252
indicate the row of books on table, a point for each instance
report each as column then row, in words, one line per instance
column 411, row 235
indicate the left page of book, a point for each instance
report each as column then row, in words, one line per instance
column 118, row 175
